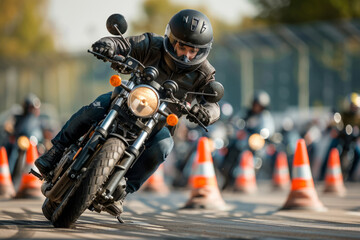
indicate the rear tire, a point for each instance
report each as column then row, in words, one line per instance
column 97, row 173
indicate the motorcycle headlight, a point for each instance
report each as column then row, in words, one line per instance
column 23, row 143
column 256, row 141
column 143, row 101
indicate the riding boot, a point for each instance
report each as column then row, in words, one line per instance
column 48, row 160
column 120, row 194
column 116, row 207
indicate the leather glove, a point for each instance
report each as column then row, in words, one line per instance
column 104, row 46
column 200, row 113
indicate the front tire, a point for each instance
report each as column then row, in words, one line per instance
column 48, row 208
column 97, row 173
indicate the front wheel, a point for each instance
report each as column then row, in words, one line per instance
column 48, row 208
column 97, row 173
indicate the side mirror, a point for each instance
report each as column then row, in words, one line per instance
column 171, row 86
column 115, row 23
column 214, row 92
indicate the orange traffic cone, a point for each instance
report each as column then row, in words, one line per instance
column 30, row 186
column 205, row 192
column 303, row 194
column 6, row 186
column 156, row 182
column 333, row 179
column 245, row 174
column 281, row 175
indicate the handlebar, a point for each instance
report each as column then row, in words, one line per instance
column 120, row 63
column 119, row 58
column 185, row 109
column 131, row 63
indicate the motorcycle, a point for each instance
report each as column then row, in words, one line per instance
column 91, row 172
column 346, row 140
column 26, row 129
column 258, row 143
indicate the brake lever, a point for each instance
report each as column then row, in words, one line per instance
column 187, row 111
column 98, row 55
column 115, row 59
column 184, row 109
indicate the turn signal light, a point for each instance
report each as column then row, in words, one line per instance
column 172, row 119
column 115, row 80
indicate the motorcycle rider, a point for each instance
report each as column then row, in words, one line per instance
column 254, row 119
column 26, row 124
column 180, row 55
column 29, row 121
column 350, row 116
column 258, row 117
column 351, row 113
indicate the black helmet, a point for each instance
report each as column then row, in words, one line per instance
column 31, row 102
column 191, row 28
column 262, row 98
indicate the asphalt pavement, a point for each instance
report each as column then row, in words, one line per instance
column 153, row 216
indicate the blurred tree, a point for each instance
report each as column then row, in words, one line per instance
column 157, row 14
column 23, row 30
column 300, row 11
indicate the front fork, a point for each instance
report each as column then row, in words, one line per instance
column 99, row 136
column 84, row 158
column 130, row 155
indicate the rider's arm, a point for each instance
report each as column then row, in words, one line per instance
column 141, row 46
column 212, row 108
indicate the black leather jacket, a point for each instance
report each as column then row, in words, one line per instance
column 148, row 48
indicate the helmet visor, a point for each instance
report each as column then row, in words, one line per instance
column 170, row 41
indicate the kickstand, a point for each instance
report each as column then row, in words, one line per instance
column 120, row 219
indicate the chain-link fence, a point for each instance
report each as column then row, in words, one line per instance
column 314, row 64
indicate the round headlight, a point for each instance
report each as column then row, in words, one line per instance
column 143, row 101
column 256, row 141
column 23, row 143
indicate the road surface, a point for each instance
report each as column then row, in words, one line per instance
column 150, row 216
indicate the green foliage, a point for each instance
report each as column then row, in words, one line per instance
column 300, row 11
column 23, row 31
column 156, row 15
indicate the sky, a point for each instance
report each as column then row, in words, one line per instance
column 79, row 23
